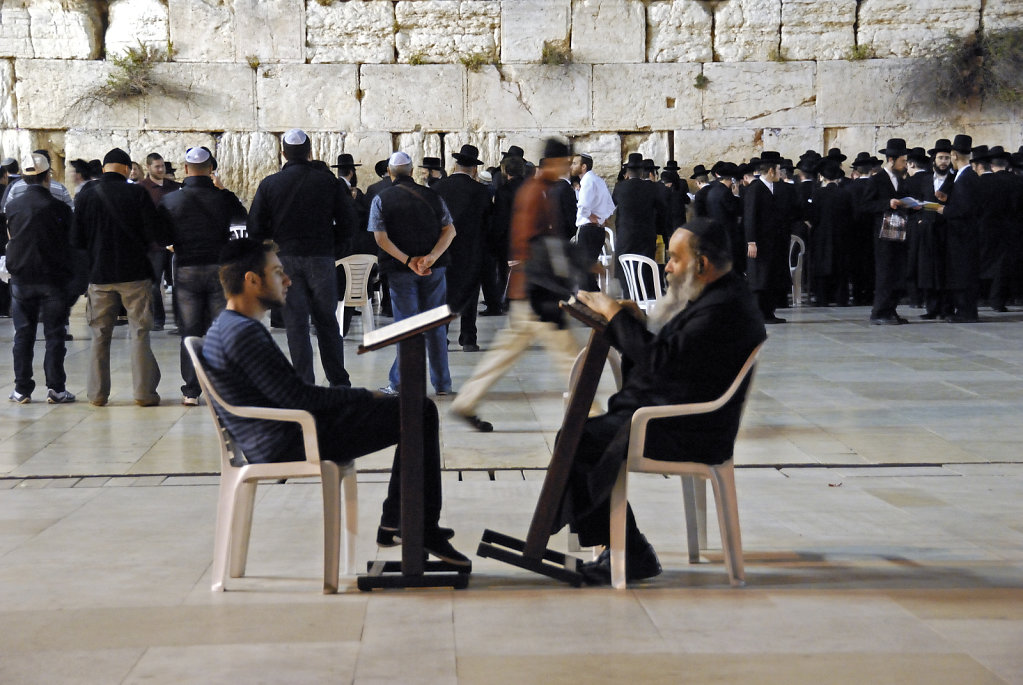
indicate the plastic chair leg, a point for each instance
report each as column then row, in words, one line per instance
column 222, row 535
column 350, row 511
column 339, row 314
column 728, row 520
column 619, row 504
column 241, row 527
column 331, row 479
column 700, row 490
column 689, row 503
column 367, row 317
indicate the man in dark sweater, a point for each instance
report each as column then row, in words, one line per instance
column 39, row 259
column 197, row 219
column 248, row 369
column 689, row 350
column 311, row 215
column 115, row 222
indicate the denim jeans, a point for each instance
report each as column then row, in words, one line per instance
column 412, row 294
column 200, row 300
column 30, row 304
column 158, row 260
column 105, row 300
column 313, row 292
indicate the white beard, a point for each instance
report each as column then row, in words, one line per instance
column 682, row 289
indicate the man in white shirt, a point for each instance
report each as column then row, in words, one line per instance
column 594, row 208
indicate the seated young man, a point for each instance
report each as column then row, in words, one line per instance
column 690, row 349
column 248, row 369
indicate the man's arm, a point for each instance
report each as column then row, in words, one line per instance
column 749, row 218
column 346, row 219
column 259, row 221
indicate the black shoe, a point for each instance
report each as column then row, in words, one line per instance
column 391, row 537
column 157, row 326
column 774, row 319
column 962, row 319
column 638, row 566
column 68, row 337
column 490, row 311
column 436, row 544
column 886, row 321
column 471, row 348
column 476, row 422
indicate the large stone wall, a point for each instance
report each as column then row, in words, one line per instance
column 366, row 76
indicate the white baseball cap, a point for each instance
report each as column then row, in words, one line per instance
column 34, row 164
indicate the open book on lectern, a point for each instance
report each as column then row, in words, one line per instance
column 406, row 326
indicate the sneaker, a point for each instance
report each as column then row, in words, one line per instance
column 388, row 390
column 446, row 393
column 434, row 543
column 190, row 401
column 62, row 397
column 19, row 398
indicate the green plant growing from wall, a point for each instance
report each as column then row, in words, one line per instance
column 556, row 52
column 987, row 67
column 475, row 61
column 701, row 81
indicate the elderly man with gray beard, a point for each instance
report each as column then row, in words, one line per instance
column 689, row 350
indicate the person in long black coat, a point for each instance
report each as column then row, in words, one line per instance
column 641, row 214
column 470, row 206
column 962, row 215
column 678, row 199
column 831, row 217
column 861, row 242
column 768, row 213
column 495, row 265
column 1001, row 200
column 927, row 232
column 722, row 205
column 890, row 256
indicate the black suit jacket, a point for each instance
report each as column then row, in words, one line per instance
column 962, row 215
column 927, row 232
column 469, row 203
column 565, row 204
column 767, row 218
column 1001, row 205
column 640, row 215
column 725, row 208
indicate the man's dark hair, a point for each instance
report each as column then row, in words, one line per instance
column 765, row 167
column 240, row 257
column 36, row 179
column 153, row 157
column 514, row 167
column 587, row 162
column 297, row 153
column 44, row 153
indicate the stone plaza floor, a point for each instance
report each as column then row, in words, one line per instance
column 879, row 480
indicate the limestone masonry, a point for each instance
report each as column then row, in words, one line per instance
column 366, row 76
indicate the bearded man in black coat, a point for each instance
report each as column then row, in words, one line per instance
column 769, row 209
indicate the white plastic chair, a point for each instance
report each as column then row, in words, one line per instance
column 633, row 266
column 358, row 268
column 796, row 271
column 239, row 479
column 606, row 259
column 721, row 476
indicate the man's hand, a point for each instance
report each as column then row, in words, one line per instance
column 600, row 303
column 421, row 265
column 894, row 204
column 751, row 250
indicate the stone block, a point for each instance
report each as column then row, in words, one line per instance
column 1002, row 14
column 65, row 29
column 269, row 31
column 606, row 150
column 309, row 96
column 747, row 30
column 705, row 147
column 202, row 97
column 92, row 144
column 527, row 24
column 818, row 30
column 131, row 22
column 402, row 97
column 327, row 145
column 792, row 142
column 759, row 94
column 855, row 139
column 72, row 105
column 646, row 96
column 8, row 111
column 530, row 97
column 651, row 145
column 245, row 158
column 15, row 31
column 914, row 28
column 202, row 30
column 358, row 31
column 867, row 92
column 15, row 142
column 368, row 148
column 419, row 144
column 443, row 31
column 171, row 145
column 679, row 31
column 608, row 31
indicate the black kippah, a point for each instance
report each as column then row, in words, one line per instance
column 710, row 232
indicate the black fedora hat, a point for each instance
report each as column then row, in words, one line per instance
column 724, row 169
column 895, row 147
column 835, row 154
column 469, row 155
column 672, row 165
column 344, row 161
column 699, row 170
column 635, row 161
column 1016, row 159
column 787, row 165
column 830, row 169
column 979, row 154
column 649, row 165
column 513, row 151
column 863, row 159
column 941, row 145
column 919, row 156
column 998, row 152
column 432, row 163
column 768, row 157
column 380, row 168
column 962, row 144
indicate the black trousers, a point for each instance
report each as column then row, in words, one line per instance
column 371, row 425
column 590, row 239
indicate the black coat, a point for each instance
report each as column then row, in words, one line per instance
column 927, row 233
column 890, row 257
column 962, row 216
column 565, row 203
column 469, row 203
column 1001, row 203
column 724, row 207
column 197, row 220
column 831, row 217
column 768, row 219
column 39, row 250
column 861, row 238
column 500, row 225
column 640, row 216
column 678, row 198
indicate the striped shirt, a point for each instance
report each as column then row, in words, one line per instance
column 248, row 369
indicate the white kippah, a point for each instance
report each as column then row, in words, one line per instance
column 295, row 136
column 399, row 158
column 197, row 155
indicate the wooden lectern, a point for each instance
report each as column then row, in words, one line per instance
column 533, row 554
column 413, row 568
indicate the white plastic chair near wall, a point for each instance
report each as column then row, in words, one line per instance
column 239, row 479
column 358, row 268
column 633, row 266
column 797, row 249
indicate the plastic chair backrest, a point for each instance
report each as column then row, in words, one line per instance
column 633, row 266
column 357, row 272
column 797, row 247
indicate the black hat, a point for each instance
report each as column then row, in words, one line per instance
column 432, row 163
column 552, row 147
column 830, row 169
column 962, row 144
column 469, row 155
column 998, row 152
column 724, row 169
column 699, row 170
column 672, row 165
column 515, row 151
column 808, row 161
column 863, row 159
column 787, row 165
column 635, row 161
column 770, row 157
column 743, row 169
column 345, row 161
column 80, row 166
column 649, row 165
column 942, row 145
column 895, row 147
column 979, row 154
column 168, row 168
column 669, row 176
column 710, row 232
column 1017, row 159
column 919, row 156
column 117, row 156
column 835, row 154
column 380, row 168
